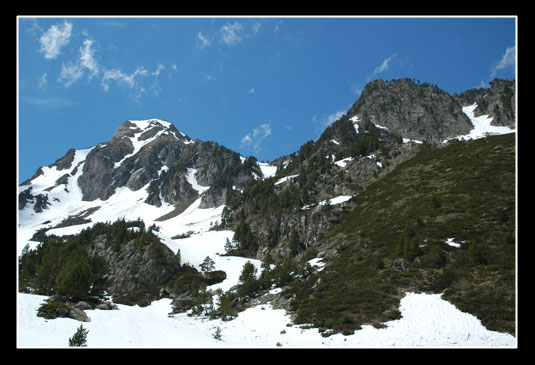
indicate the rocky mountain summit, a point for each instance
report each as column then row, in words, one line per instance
column 154, row 152
column 154, row 155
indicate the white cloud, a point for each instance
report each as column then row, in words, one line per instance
column 205, row 42
column 58, row 36
column 251, row 90
column 246, row 140
column 385, row 65
column 87, row 58
column 255, row 138
column 50, row 101
column 54, row 39
column 255, row 29
column 70, row 74
column 508, row 60
column 42, row 82
column 405, row 62
column 118, row 75
column 334, row 117
column 322, row 123
column 277, row 28
column 231, row 34
column 159, row 68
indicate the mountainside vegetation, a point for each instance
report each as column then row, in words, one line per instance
column 394, row 239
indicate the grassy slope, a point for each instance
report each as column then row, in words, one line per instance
column 465, row 191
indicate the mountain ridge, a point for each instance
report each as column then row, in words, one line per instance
column 284, row 212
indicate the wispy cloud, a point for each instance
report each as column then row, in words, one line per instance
column 251, row 90
column 42, row 82
column 70, row 74
column 55, row 38
column 73, row 71
column 385, row 65
column 49, row 101
column 357, row 87
column 255, row 138
column 159, row 68
column 507, row 61
column 325, row 121
column 121, row 77
column 232, row 34
column 82, row 61
column 87, row 58
column 204, row 42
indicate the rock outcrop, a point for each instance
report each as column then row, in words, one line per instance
column 140, row 263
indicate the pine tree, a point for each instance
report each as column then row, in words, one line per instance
column 79, row 338
column 295, row 244
column 228, row 246
column 217, row 334
column 178, row 257
column 248, row 282
column 207, row 265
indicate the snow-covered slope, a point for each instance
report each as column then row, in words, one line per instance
column 427, row 322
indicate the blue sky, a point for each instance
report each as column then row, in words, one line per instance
column 261, row 86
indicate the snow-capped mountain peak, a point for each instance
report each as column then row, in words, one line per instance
column 142, row 130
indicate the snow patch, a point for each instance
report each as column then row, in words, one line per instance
column 381, row 127
column 343, row 162
column 318, row 263
column 481, row 126
column 286, row 178
column 355, row 119
column 408, row 140
column 334, row 201
column 190, row 177
column 267, row 169
column 451, row 242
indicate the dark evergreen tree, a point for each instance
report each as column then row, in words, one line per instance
column 248, row 282
column 75, row 277
column 207, row 265
column 79, row 339
column 295, row 245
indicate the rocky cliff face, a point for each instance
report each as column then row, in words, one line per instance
column 156, row 156
column 415, row 111
column 498, row 102
column 138, row 264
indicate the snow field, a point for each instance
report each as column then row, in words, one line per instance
column 427, row 322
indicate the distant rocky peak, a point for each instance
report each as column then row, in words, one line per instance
column 144, row 129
